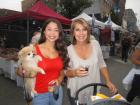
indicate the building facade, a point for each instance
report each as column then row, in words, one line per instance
column 119, row 8
column 27, row 4
column 100, row 8
column 131, row 19
column 103, row 8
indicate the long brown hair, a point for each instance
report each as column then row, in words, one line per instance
column 60, row 45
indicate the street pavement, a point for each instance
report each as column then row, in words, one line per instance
column 10, row 94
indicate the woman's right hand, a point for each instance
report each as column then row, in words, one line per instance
column 19, row 71
column 80, row 72
column 23, row 73
column 112, row 87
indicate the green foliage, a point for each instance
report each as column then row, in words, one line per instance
column 50, row 4
column 72, row 8
column 115, row 17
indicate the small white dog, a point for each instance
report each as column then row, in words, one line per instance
column 28, row 62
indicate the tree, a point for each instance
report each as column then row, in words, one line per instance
column 50, row 3
column 72, row 8
column 115, row 17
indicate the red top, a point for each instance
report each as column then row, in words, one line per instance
column 52, row 68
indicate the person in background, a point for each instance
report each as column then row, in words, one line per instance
column 135, row 87
column 36, row 37
column 85, row 54
column 53, row 52
column 112, row 43
column 126, row 45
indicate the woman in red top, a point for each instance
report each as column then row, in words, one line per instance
column 53, row 52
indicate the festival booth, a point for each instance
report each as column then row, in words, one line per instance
column 84, row 16
column 113, row 25
column 97, row 23
column 105, row 39
column 38, row 12
column 108, row 37
column 8, row 56
column 90, row 20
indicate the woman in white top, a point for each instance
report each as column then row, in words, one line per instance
column 84, row 52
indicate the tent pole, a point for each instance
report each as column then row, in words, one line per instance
column 28, row 31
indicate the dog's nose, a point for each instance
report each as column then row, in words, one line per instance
column 33, row 54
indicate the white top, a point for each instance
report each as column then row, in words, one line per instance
column 95, row 62
column 112, row 36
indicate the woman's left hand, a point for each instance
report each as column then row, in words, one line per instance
column 52, row 85
column 112, row 87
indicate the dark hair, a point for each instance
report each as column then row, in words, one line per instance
column 84, row 23
column 60, row 45
column 137, row 41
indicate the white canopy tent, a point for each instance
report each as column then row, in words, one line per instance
column 97, row 23
column 90, row 20
column 84, row 16
column 112, row 24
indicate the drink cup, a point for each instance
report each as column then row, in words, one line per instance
column 86, row 68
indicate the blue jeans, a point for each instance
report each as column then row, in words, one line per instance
column 48, row 99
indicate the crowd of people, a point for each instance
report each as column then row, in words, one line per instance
column 60, row 61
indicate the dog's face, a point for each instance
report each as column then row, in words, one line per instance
column 26, row 53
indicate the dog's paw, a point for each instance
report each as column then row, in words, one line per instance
column 32, row 74
column 39, row 58
column 42, row 71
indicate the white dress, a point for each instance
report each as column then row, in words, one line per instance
column 95, row 62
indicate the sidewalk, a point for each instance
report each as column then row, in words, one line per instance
column 118, row 59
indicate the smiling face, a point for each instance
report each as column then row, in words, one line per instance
column 80, row 33
column 51, row 32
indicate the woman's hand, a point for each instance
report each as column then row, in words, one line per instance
column 112, row 87
column 80, row 72
column 52, row 84
column 23, row 73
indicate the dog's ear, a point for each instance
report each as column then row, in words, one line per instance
column 20, row 54
column 32, row 47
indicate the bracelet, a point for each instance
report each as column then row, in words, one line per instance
column 107, row 81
